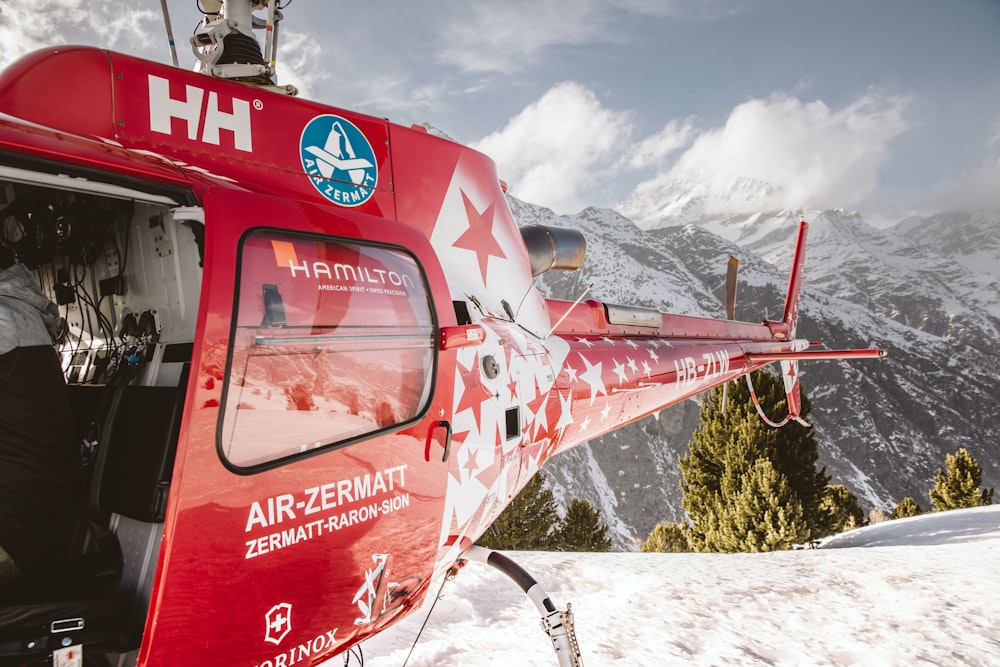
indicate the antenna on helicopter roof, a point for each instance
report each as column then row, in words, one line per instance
column 226, row 47
column 170, row 33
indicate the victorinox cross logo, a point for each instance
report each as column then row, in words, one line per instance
column 278, row 622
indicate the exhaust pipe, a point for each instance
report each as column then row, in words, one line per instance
column 553, row 248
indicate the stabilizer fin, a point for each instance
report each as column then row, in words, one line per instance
column 789, row 360
column 790, row 367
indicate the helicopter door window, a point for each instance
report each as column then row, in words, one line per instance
column 334, row 341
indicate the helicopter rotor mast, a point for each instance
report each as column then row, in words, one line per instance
column 226, row 46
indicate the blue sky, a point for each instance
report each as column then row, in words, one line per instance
column 890, row 107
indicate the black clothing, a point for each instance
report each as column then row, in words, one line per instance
column 39, row 461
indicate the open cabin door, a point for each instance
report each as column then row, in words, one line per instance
column 308, row 492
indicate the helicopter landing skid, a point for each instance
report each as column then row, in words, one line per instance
column 558, row 625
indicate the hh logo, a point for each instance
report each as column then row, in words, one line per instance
column 279, row 622
column 203, row 117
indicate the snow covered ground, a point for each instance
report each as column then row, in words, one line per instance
column 919, row 591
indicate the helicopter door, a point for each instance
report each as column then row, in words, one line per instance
column 306, row 510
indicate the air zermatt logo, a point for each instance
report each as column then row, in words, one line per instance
column 339, row 160
column 279, row 622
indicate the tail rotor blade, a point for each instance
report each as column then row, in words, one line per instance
column 731, row 271
column 734, row 265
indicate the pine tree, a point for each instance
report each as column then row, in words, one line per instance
column 528, row 523
column 958, row 485
column 906, row 507
column 842, row 508
column 667, row 538
column 762, row 513
column 731, row 501
column 581, row 529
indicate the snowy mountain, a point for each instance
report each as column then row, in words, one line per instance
column 919, row 591
column 884, row 427
column 927, row 277
column 694, row 193
column 971, row 239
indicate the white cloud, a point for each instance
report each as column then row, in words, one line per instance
column 555, row 150
column 33, row 25
column 115, row 25
column 507, row 37
column 127, row 28
column 504, row 37
column 976, row 190
column 809, row 154
column 653, row 150
column 685, row 10
column 298, row 54
column 994, row 138
column 396, row 96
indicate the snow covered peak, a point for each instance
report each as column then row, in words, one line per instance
column 690, row 196
column 970, row 238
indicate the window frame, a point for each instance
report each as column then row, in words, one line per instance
column 291, row 234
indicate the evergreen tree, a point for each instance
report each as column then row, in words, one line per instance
column 581, row 529
column 842, row 508
column 958, row 485
column 732, row 501
column 527, row 523
column 762, row 513
column 906, row 507
column 667, row 538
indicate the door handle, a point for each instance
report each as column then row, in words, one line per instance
column 446, row 425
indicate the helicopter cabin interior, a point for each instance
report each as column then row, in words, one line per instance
column 126, row 276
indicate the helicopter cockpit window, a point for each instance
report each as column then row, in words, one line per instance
column 333, row 341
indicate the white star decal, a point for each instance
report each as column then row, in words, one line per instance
column 620, row 372
column 571, row 372
column 565, row 416
column 541, row 420
column 631, row 365
column 593, row 377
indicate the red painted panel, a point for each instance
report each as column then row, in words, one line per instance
column 67, row 88
column 330, row 547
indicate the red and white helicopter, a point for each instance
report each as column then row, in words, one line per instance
column 306, row 349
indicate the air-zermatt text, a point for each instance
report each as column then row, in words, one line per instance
column 325, row 509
